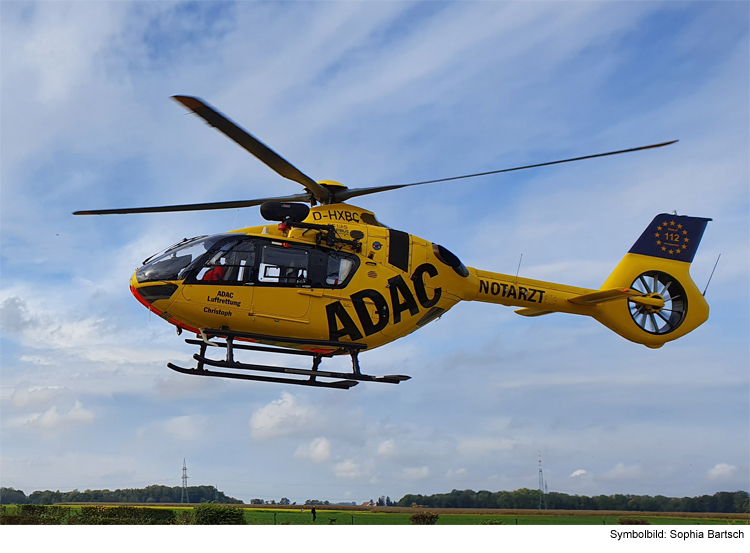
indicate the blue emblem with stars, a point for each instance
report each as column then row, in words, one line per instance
column 671, row 237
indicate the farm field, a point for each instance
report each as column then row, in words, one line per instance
column 99, row 514
column 258, row 516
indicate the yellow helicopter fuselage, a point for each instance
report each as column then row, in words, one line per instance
column 395, row 285
column 281, row 281
column 332, row 280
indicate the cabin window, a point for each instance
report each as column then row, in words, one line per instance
column 233, row 263
column 339, row 268
column 282, row 265
column 241, row 260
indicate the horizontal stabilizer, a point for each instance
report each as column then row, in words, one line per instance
column 532, row 312
column 604, row 296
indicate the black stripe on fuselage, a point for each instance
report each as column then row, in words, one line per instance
column 398, row 249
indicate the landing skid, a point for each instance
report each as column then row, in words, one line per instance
column 310, row 376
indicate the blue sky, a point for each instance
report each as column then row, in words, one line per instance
column 366, row 94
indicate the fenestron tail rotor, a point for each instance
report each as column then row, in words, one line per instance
column 324, row 192
column 663, row 306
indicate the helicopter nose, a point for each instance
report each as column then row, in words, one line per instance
column 151, row 294
column 148, row 294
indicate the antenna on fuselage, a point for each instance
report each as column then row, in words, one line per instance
column 518, row 270
column 712, row 275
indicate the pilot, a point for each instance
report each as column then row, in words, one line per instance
column 214, row 275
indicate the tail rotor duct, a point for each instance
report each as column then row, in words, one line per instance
column 663, row 306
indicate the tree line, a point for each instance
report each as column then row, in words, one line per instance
column 720, row 502
column 149, row 494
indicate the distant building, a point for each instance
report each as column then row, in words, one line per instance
column 370, row 503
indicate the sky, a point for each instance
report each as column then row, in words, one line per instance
column 375, row 93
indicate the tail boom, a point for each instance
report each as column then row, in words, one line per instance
column 534, row 295
column 649, row 298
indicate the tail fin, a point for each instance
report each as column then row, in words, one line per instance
column 663, row 302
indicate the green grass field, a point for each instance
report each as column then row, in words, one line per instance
column 264, row 516
column 328, row 516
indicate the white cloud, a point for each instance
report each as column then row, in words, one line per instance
column 480, row 445
column 51, row 419
column 386, row 448
column 451, row 474
column 92, row 354
column 622, row 472
column 39, row 360
column 579, row 472
column 416, row 473
column 189, row 428
column 282, row 417
column 318, row 451
column 722, row 471
column 173, row 385
column 14, row 315
column 348, row 470
column 61, row 44
column 45, row 328
column 35, row 397
column 175, row 431
column 95, row 470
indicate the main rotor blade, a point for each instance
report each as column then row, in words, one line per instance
column 354, row 192
column 196, row 207
column 253, row 145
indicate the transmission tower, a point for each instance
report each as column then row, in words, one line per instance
column 185, row 498
column 542, row 487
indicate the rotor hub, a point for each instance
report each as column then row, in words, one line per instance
column 652, row 303
column 334, row 188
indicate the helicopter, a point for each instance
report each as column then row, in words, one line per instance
column 326, row 278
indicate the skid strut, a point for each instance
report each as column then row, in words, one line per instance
column 309, row 376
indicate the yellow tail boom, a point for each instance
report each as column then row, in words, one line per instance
column 649, row 298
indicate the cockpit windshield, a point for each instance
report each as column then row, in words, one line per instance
column 176, row 262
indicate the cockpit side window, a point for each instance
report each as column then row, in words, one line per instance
column 339, row 269
column 232, row 263
column 177, row 262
